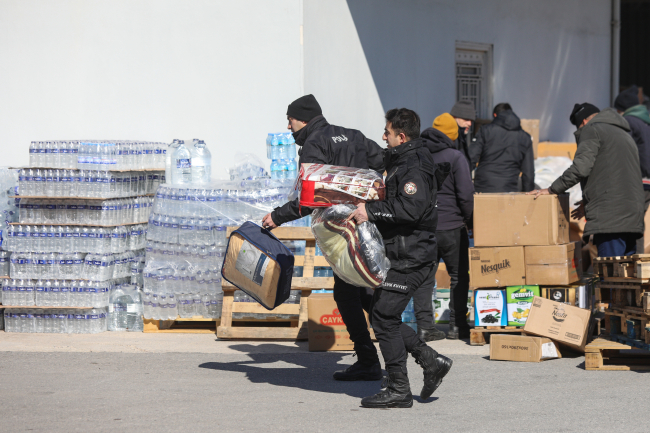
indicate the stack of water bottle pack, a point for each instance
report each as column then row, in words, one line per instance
column 41, row 182
column 63, row 253
column 99, row 212
column 8, row 213
column 281, row 150
column 119, row 311
column 97, row 154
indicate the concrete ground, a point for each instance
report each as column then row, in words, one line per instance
column 194, row 382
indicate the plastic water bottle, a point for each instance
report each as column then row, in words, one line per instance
column 201, row 163
column 182, row 165
column 169, row 152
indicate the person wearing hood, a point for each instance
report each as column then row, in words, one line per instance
column 322, row 143
column 464, row 115
column 627, row 104
column 455, row 208
column 607, row 167
column 503, row 150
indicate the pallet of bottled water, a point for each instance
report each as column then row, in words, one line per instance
column 58, row 265
column 83, row 239
column 98, row 154
column 182, row 280
column 86, row 212
column 56, row 321
column 39, row 182
column 232, row 200
column 58, row 293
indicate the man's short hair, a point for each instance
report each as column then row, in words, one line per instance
column 406, row 121
column 503, row 106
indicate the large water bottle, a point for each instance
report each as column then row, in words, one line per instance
column 201, row 163
column 125, row 309
column 181, row 165
column 169, row 153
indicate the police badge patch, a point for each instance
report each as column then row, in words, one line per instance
column 410, row 188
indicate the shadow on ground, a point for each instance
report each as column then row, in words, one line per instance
column 312, row 373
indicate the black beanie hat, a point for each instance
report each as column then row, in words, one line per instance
column 627, row 98
column 581, row 112
column 304, row 108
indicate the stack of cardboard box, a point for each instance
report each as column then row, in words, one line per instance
column 522, row 251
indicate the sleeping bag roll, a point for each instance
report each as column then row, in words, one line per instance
column 257, row 263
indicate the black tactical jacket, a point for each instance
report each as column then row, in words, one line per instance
column 322, row 143
column 407, row 218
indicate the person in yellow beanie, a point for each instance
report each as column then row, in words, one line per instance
column 446, row 124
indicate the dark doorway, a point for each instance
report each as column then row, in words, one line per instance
column 635, row 37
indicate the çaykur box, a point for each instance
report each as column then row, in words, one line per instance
column 259, row 264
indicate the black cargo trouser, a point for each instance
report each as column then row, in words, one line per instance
column 423, row 301
column 351, row 302
column 396, row 338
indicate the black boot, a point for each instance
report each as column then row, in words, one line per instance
column 395, row 393
column 456, row 333
column 359, row 371
column 431, row 334
column 367, row 366
column 435, row 367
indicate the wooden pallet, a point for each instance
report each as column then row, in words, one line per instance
column 477, row 334
column 624, row 295
column 606, row 355
column 295, row 329
column 616, row 322
column 194, row 325
column 632, row 269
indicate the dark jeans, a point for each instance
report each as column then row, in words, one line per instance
column 396, row 338
column 351, row 301
column 453, row 247
column 615, row 244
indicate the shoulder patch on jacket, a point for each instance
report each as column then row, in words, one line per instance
column 410, row 188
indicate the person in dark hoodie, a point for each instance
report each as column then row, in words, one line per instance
column 323, row 143
column 606, row 165
column 503, row 150
column 455, row 208
column 628, row 105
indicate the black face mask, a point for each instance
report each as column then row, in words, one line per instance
column 301, row 135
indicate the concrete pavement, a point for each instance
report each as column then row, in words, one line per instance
column 193, row 382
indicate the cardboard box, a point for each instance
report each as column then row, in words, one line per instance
column 531, row 126
column 510, row 219
column 443, row 280
column 560, row 322
column 326, row 330
column 490, row 308
column 518, row 302
column 556, row 264
column 564, row 295
column 522, row 348
column 496, row 267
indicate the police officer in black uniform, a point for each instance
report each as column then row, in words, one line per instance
column 407, row 220
column 323, row 143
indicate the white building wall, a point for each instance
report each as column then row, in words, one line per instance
column 219, row 70
column 363, row 57
column 225, row 70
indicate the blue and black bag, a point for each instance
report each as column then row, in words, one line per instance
column 259, row 264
